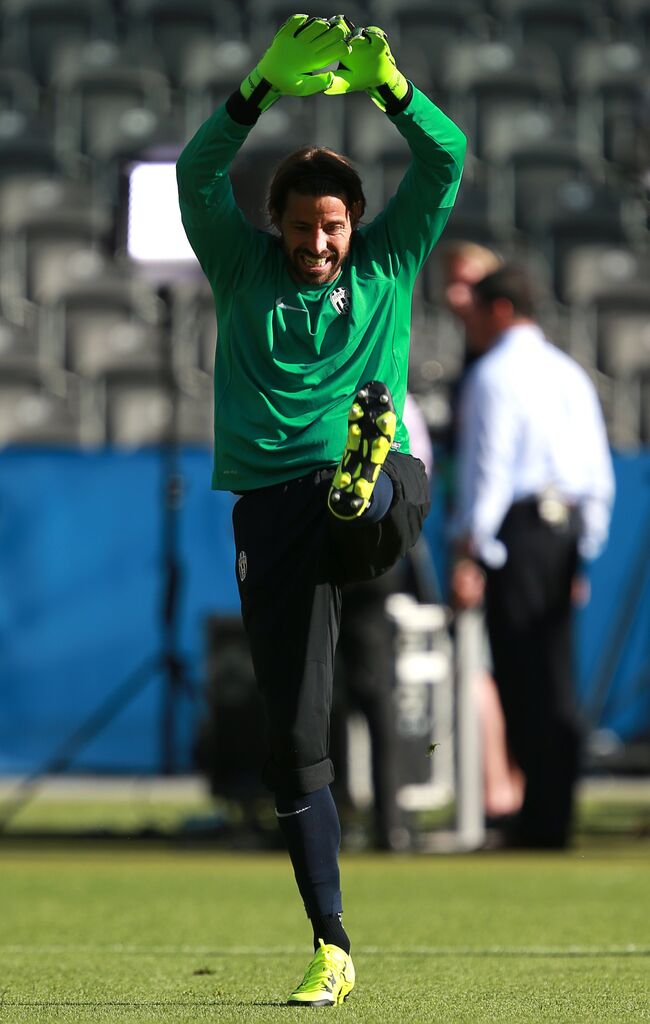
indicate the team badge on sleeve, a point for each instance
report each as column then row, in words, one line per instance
column 340, row 299
column 242, row 565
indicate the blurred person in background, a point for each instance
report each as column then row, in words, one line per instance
column 464, row 263
column 307, row 318
column 364, row 680
column 535, row 491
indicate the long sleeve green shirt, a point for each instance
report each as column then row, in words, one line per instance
column 290, row 358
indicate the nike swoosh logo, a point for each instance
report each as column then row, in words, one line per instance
column 281, row 304
column 289, row 814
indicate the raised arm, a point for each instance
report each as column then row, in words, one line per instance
column 413, row 220
column 219, row 234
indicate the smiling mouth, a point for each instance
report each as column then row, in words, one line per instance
column 314, row 262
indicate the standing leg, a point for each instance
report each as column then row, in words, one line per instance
column 291, row 614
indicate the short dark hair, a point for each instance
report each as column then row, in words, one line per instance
column 508, row 282
column 316, row 171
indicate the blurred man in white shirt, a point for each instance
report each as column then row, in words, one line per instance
column 535, row 490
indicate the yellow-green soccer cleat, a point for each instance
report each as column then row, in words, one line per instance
column 371, row 431
column 328, row 981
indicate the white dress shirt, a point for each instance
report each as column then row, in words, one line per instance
column 530, row 420
column 418, row 431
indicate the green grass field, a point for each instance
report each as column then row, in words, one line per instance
column 126, row 930
column 139, row 933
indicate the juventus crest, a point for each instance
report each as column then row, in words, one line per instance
column 242, row 565
column 340, row 299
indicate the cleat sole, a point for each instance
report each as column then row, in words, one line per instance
column 372, row 423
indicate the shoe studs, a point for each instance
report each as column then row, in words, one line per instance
column 335, row 496
column 383, row 399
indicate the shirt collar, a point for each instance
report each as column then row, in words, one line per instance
column 520, row 332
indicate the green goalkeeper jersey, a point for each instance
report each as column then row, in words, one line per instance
column 291, row 358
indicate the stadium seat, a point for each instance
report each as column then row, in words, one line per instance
column 611, row 82
column 48, row 239
column 489, row 84
column 26, row 145
column 624, row 414
column 213, row 72
column 101, row 94
column 610, row 320
column 369, row 134
column 590, row 220
column 528, row 174
column 612, row 269
column 208, row 73
column 18, row 91
column 474, row 216
column 197, row 323
column 622, row 319
column 30, row 414
column 170, row 28
column 35, row 30
column 138, row 408
column 18, row 350
column 556, row 25
column 634, row 18
column 104, row 323
column 429, row 28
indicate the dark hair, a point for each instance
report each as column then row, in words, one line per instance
column 509, row 282
column 315, row 171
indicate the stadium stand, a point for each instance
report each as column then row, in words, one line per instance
column 491, row 83
column 556, row 25
column 35, row 30
column 555, row 99
column 46, row 240
column 99, row 93
column 168, row 29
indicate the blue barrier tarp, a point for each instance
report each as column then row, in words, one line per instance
column 81, row 586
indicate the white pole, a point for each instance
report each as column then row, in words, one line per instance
column 470, row 810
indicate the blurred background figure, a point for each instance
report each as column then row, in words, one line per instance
column 464, row 263
column 364, row 681
column 534, row 500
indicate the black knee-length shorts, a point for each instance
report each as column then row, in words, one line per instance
column 292, row 558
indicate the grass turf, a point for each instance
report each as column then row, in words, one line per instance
column 165, row 935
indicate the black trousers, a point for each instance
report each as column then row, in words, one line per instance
column 529, row 620
column 293, row 557
column 365, row 682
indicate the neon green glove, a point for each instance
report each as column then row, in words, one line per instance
column 303, row 45
column 371, row 66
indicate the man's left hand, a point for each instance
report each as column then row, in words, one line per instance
column 369, row 67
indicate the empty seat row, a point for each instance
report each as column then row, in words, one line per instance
column 34, row 28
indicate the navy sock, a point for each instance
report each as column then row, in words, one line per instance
column 311, row 829
column 330, row 929
column 382, row 497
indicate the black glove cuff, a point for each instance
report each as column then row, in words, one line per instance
column 245, row 111
column 393, row 105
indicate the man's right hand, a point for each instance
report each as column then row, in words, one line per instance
column 303, row 45
column 467, row 584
